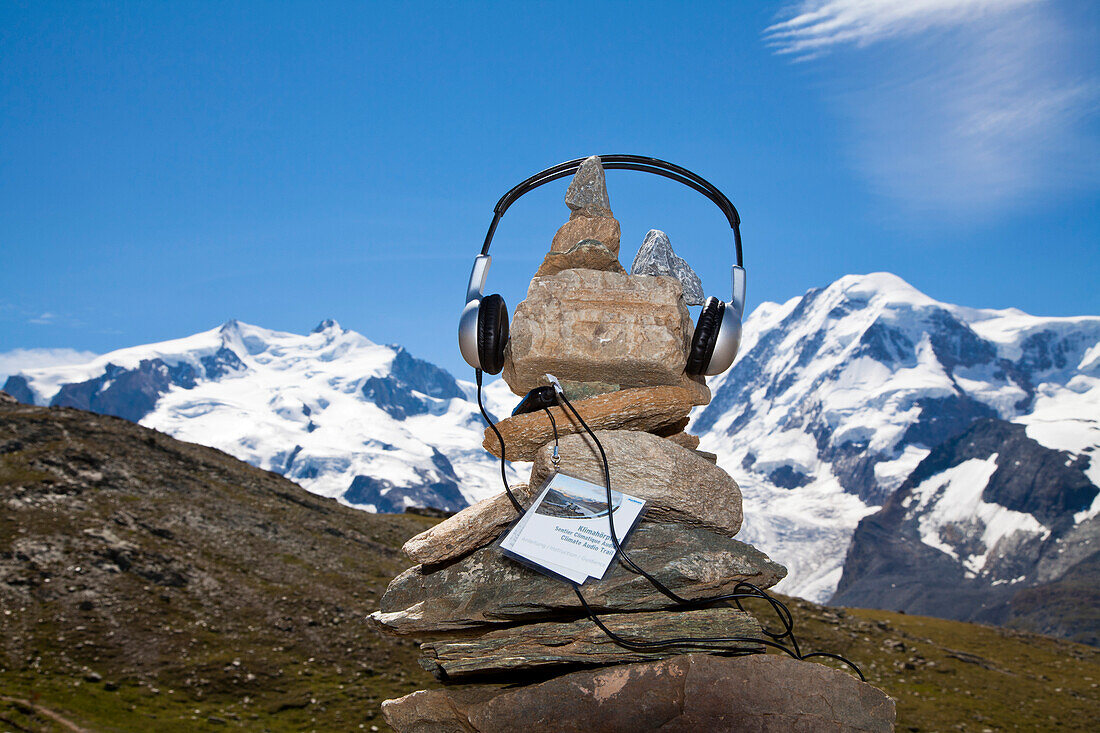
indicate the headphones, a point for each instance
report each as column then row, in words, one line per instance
column 483, row 327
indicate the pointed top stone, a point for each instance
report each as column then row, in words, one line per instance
column 587, row 193
column 657, row 258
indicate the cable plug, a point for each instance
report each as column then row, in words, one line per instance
column 556, row 384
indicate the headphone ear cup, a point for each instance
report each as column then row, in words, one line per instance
column 492, row 333
column 705, row 336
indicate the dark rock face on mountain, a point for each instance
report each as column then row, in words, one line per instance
column 175, row 572
column 437, row 489
column 987, row 528
column 16, row 386
column 126, row 393
column 403, row 392
column 223, row 362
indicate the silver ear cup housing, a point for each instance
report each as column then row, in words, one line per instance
column 467, row 322
column 467, row 333
column 726, row 342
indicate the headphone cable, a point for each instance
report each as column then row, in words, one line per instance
column 774, row 640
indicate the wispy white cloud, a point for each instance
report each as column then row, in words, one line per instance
column 963, row 106
column 817, row 25
column 16, row 360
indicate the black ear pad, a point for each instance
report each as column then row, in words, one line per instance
column 492, row 333
column 706, row 335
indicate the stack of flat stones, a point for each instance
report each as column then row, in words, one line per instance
column 514, row 647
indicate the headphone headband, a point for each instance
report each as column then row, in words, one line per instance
column 483, row 326
column 641, row 163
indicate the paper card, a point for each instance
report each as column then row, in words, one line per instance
column 565, row 532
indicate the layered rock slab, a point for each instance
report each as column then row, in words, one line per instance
column 593, row 326
column 678, row 484
column 581, row 642
column 684, row 694
column 647, row 409
column 486, row 588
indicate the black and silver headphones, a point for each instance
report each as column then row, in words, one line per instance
column 483, row 327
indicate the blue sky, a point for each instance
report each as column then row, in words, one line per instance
column 165, row 167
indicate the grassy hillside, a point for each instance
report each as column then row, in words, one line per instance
column 149, row 584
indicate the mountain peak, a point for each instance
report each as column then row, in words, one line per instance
column 326, row 325
column 880, row 284
column 230, row 327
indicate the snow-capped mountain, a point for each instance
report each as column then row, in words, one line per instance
column 338, row 414
column 836, row 399
column 838, row 395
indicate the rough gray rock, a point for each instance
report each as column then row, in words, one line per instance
column 684, row 694
column 655, row 257
column 581, row 642
column 487, row 588
column 677, row 484
column 587, row 192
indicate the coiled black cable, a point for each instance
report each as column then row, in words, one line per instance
column 774, row 640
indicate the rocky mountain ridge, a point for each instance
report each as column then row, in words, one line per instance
column 992, row 527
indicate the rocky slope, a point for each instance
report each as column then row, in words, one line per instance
column 344, row 417
column 838, row 395
column 141, row 576
column 151, row 584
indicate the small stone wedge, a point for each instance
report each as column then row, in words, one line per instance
column 474, row 526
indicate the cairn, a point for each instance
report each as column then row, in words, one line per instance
column 515, row 647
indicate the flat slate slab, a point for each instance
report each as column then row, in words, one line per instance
column 486, row 588
column 693, row 693
column 582, row 643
